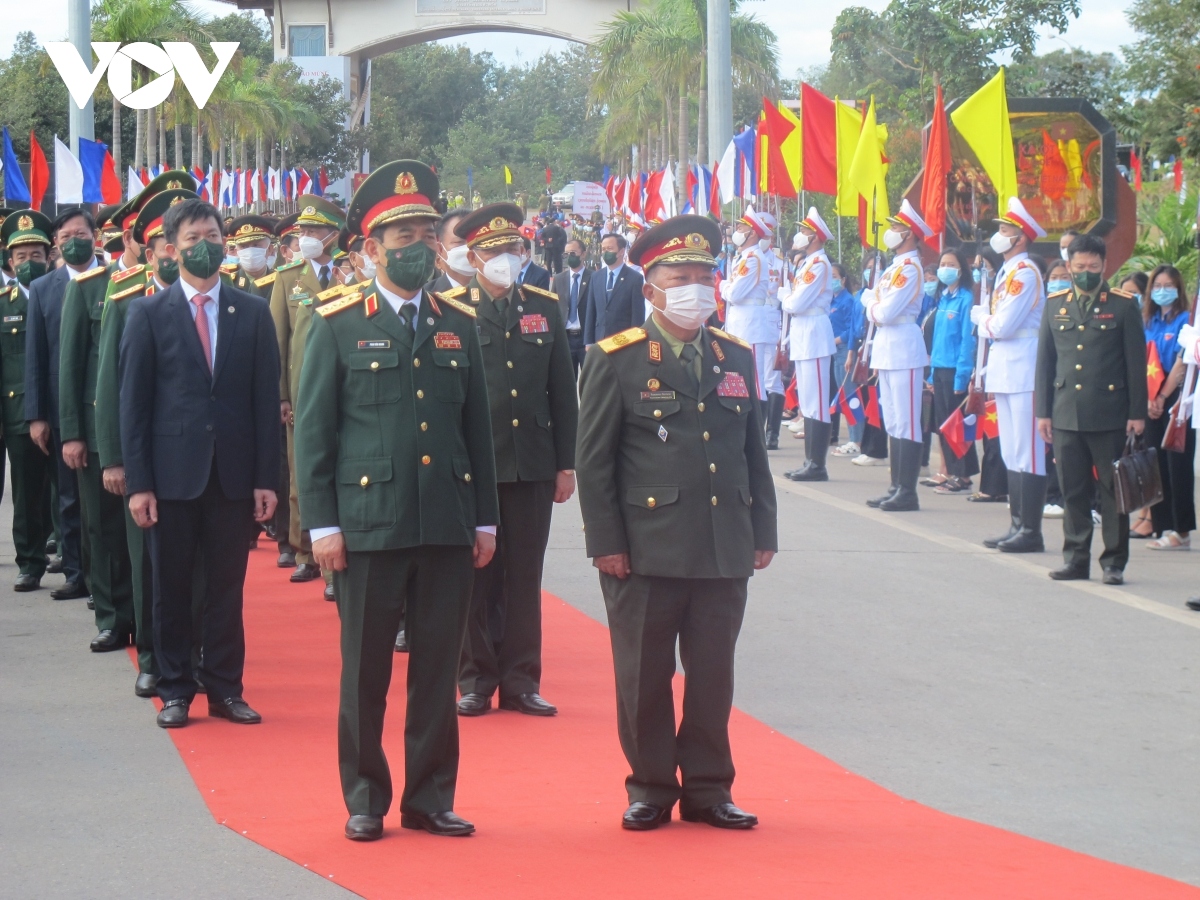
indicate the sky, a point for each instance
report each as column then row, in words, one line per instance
column 802, row 28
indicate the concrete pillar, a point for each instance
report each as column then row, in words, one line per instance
column 720, row 80
column 79, row 29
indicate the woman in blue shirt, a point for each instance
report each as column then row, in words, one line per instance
column 1164, row 313
column 841, row 314
column 951, row 362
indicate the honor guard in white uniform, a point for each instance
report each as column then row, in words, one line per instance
column 772, row 379
column 1011, row 322
column 748, row 313
column 811, row 344
column 898, row 355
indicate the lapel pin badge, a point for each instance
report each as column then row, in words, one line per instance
column 662, row 433
column 230, row 309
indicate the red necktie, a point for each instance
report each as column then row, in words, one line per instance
column 202, row 328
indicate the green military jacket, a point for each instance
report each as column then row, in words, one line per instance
column 108, row 380
column 1091, row 367
column 676, row 478
column 14, row 304
column 531, row 382
column 393, row 433
column 79, row 349
column 259, row 287
column 293, row 294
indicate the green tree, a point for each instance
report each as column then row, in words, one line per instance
column 1162, row 73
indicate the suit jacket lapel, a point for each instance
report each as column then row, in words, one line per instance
column 485, row 307
column 711, row 370
column 227, row 322
column 187, row 324
column 426, row 322
column 1075, row 308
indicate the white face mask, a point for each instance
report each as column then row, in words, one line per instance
column 252, row 259
column 271, row 257
column 800, row 241
column 1062, row 251
column 456, row 259
column 739, row 238
column 311, row 247
column 689, row 305
column 764, row 244
column 502, row 270
column 367, row 267
column 892, row 239
column 1001, row 243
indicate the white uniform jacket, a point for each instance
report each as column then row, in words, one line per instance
column 749, row 314
column 810, row 334
column 1018, row 301
column 894, row 306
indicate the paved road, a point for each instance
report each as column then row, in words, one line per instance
column 895, row 645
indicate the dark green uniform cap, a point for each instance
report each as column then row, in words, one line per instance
column 25, row 226
column 148, row 224
column 491, row 225
column 286, row 227
column 403, row 189
column 679, row 240
column 249, row 228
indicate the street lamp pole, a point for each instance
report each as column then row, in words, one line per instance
column 79, row 31
column 720, row 80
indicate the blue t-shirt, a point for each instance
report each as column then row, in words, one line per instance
column 1165, row 334
column 953, row 342
column 841, row 317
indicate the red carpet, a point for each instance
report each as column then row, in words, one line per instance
column 547, row 795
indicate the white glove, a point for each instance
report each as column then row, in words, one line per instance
column 978, row 314
column 1189, row 336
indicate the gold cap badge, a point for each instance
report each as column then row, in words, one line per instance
column 405, row 183
column 24, row 223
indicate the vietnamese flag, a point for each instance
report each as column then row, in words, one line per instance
column 1054, row 169
column 937, row 169
column 1177, row 173
column 1154, row 370
column 1135, row 163
column 990, row 426
column 110, row 184
column 39, row 173
column 872, row 410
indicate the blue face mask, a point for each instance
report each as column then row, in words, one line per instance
column 976, row 275
column 1054, row 285
column 835, row 283
column 930, row 288
column 866, row 276
column 1164, row 296
column 947, row 275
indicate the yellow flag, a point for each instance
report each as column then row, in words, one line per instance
column 982, row 120
column 764, row 154
column 849, row 124
column 868, row 173
column 791, row 149
column 507, row 175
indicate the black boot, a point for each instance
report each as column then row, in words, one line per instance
column 1033, row 501
column 774, row 419
column 808, row 451
column 894, row 463
column 908, row 471
column 1014, row 510
column 818, row 448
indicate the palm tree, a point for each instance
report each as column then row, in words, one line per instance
column 1166, row 236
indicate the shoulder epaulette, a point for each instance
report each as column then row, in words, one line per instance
column 128, row 292
column 464, row 308
column 118, row 277
column 336, row 306
column 621, row 339
column 336, row 291
column 729, row 337
column 1060, row 293
column 291, row 265
column 1117, row 292
column 265, row 280
column 92, row 273
column 540, row 291
column 454, row 293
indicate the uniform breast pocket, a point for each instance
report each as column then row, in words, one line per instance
column 656, row 410
column 739, row 406
column 366, row 497
column 450, row 375
column 375, row 376
column 539, row 339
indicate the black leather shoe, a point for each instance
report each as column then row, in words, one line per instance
column 1070, row 573
column 1193, row 603
column 72, row 590
column 529, row 704
column 51, row 548
column 1113, row 575
column 723, row 815
column 91, row 604
column 235, row 709
column 810, row 473
column 364, row 828
column 174, row 714
column 330, row 595
column 474, row 704
column 401, row 641
column 645, row 816
column 54, row 565
column 27, row 583
column 446, row 824
column 108, row 640
column 1024, row 541
column 304, row 572
column 146, row 685
column 287, row 560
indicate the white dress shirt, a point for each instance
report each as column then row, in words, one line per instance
column 74, row 273
column 211, row 309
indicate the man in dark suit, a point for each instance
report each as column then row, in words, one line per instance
column 554, row 239
column 531, row 273
column 616, row 298
column 199, row 373
column 74, row 235
column 572, row 286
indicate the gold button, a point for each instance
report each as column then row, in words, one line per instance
column 714, row 501
column 417, row 363
column 467, row 477
column 738, row 407
column 454, row 363
column 1112, row 387
column 1079, row 346
column 425, row 460
column 510, row 363
column 539, row 340
column 14, row 331
column 651, row 502
column 706, row 435
column 424, row 426
column 1081, row 328
column 508, row 334
column 364, row 481
column 375, row 364
column 700, row 406
column 12, row 393
column 1078, row 367
column 514, row 392
column 1103, row 327
column 420, row 394
column 658, row 414
column 1079, row 387
column 515, row 423
column 712, row 467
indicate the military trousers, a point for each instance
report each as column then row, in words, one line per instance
column 66, row 510
column 511, row 660
column 1076, row 453
column 108, row 571
column 433, row 585
column 30, row 472
column 142, row 579
column 296, row 536
column 647, row 615
column 283, row 511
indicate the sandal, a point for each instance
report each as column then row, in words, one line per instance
column 1171, row 540
column 951, row 486
column 980, row 497
column 1136, row 535
column 935, row 480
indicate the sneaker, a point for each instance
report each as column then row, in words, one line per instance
column 1096, row 520
column 847, row 449
column 1052, row 511
column 796, row 427
column 1170, row 540
column 864, row 460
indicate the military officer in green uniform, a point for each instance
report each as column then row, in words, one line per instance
column 25, row 234
column 398, row 489
column 678, row 511
column 293, row 296
column 160, row 273
column 1090, row 393
column 535, row 415
column 251, row 235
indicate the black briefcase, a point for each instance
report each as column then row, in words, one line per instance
column 1136, row 478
